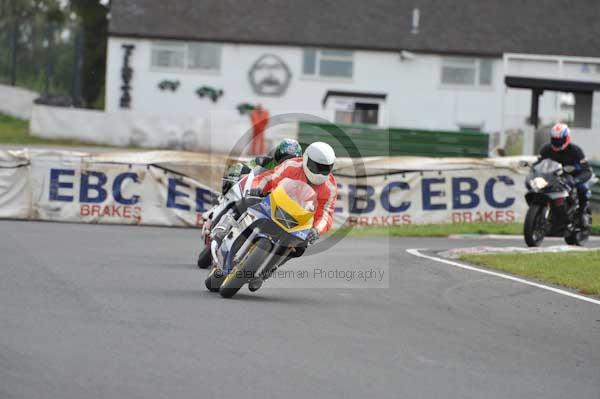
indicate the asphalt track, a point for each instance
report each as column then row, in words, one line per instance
column 90, row 311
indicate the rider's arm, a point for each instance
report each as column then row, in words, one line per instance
column 268, row 180
column 583, row 170
column 326, row 207
column 263, row 161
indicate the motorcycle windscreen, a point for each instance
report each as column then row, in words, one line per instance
column 547, row 166
column 293, row 205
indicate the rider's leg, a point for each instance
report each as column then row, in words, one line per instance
column 583, row 192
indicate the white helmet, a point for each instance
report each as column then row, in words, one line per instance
column 318, row 162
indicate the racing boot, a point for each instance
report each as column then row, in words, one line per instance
column 583, row 194
column 584, row 216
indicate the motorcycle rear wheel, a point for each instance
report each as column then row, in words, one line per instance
column 204, row 258
column 244, row 272
column 533, row 229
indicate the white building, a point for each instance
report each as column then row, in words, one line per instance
column 411, row 64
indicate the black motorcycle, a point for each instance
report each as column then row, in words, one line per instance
column 554, row 206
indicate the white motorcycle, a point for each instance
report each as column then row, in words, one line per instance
column 226, row 206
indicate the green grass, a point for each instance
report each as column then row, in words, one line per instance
column 576, row 270
column 434, row 230
column 16, row 131
column 443, row 230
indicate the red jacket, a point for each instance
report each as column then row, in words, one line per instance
column 326, row 192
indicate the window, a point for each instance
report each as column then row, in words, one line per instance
column 583, row 110
column 192, row 56
column 168, row 55
column 366, row 113
column 576, row 109
column 349, row 112
column 204, row 56
column 467, row 71
column 328, row 63
column 485, row 72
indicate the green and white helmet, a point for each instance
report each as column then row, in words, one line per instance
column 288, row 148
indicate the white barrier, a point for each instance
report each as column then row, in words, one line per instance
column 17, row 102
column 80, row 124
column 418, row 190
column 221, row 132
column 447, row 196
column 175, row 188
column 15, row 185
column 144, row 188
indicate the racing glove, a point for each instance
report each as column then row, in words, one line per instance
column 313, row 236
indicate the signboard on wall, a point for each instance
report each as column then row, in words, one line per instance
column 73, row 187
column 118, row 194
column 67, row 187
column 447, row 196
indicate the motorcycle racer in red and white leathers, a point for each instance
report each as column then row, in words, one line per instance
column 314, row 168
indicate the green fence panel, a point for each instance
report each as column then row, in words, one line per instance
column 354, row 140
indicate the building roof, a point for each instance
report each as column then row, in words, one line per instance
column 483, row 27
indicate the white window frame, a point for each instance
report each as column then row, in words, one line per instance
column 319, row 57
column 459, row 62
column 185, row 46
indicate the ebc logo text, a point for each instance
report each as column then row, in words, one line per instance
column 467, row 195
column 100, row 195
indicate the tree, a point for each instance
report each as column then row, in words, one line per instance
column 93, row 15
column 39, row 46
column 20, row 22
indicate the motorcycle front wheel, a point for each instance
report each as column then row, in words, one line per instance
column 245, row 271
column 534, row 229
column 214, row 280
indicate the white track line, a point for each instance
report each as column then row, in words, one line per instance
column 416, row 252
